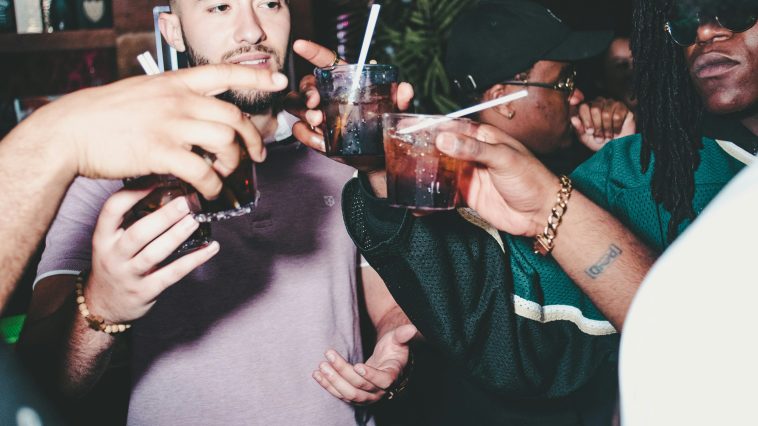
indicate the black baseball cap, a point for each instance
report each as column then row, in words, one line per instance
column 497, row 39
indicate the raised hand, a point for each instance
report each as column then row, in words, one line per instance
column 148, row 124
column 304, row 102
column 601, row 120
column 509, row 187
column 126, row 278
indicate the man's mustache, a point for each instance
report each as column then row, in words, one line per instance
column 252, row 48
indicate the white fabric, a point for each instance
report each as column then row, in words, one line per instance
column 688, row 350
column 735, row 151
column 285, row 121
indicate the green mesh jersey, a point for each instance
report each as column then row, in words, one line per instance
column 516, row 322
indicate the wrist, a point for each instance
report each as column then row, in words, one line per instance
column 544, row 203
column 378, row 181
column 37, row 135
column 95, row 319
column 399, row 385
column 544, row 240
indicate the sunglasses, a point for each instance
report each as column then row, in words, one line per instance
column 683, row 29
column 565, row 83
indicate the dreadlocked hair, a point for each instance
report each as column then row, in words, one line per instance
column 670, row 112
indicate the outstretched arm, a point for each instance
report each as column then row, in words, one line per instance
column 519, row 327
column 134, row 127
column 515, row 193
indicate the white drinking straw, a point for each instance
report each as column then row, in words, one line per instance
column 463, row 112
column 148, row 63
column 367, row 37
column 145, row 65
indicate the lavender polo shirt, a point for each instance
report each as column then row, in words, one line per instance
column 236, row 341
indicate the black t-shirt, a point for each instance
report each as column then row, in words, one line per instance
column 730, row 129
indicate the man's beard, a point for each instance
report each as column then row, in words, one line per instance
column 252, row 102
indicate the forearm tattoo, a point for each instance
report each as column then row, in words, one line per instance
column 601, row 265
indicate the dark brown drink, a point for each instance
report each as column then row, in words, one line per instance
column 353, row 130
column 238, row 195
column 353, row 112
column 420, row 178
column 167, row 188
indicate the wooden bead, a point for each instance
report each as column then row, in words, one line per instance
column 95, row 322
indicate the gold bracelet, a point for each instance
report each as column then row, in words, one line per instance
column 544, row 242
column 95, row 322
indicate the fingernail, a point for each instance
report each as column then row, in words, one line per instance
column 182, row 205
column 189, row 223
column 589, row 131
column 213, row 247
column 447, row 142
column 279, row 79
column 318, row 141
column 360, row 370
column 324, row 369
column 313, row 116
column 330, row 356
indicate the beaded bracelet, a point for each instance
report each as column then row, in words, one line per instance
column 95, row 322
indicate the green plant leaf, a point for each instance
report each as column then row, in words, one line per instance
column 416, row 33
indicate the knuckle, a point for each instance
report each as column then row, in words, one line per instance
column 173, row 274
column 111, row 207
column 225, row 135
column 204, row 173
column 307, row 83
column 141, row 264
column 235, row 114
column 134, row 235
column 149, row 259
column 298, row 130
column 473, row 149
column 224, row 70
column 133, row 293
column 174, row 98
